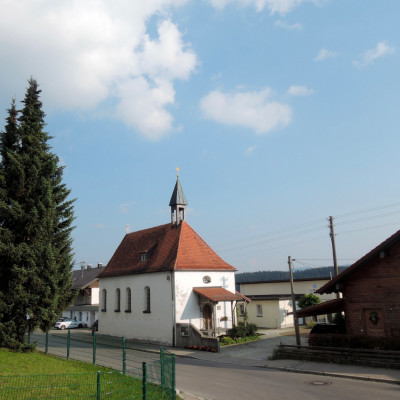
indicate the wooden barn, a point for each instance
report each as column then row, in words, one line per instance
column 371, row 293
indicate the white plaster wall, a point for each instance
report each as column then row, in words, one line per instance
column 285, row 306
column 155, row 326
column 95, row 296
column 187, row 302
column 270, row 313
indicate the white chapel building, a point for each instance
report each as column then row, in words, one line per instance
column 166, row 285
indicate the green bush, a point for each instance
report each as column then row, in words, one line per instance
column 225, row 340
column 241, row 331
column 310, row 324
column 251, row 329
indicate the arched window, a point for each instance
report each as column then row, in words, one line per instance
column 128, row 300
column 146, row 300
column 118, row 300
column 104, row 300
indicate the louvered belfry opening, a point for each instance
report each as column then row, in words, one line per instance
column 178, row 204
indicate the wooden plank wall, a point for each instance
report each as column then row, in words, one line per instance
column 375, row 286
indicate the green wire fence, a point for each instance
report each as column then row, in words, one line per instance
column 100, row 385
column 139, row 373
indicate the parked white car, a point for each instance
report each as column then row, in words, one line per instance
column 69, row 323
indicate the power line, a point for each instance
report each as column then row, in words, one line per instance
column 366, row 210
column 275, row 235
column 302, row 229
column 368, row 218
column 370, row 227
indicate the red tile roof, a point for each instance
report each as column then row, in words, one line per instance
column 217, row 294
column 171, row 248
column 244, row 298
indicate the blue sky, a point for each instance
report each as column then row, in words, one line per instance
column 279, row 113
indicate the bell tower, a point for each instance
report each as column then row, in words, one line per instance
column 178, row 203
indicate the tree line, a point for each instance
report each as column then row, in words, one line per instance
column 311, row 273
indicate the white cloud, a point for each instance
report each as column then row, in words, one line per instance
column 281, row 7
column 381, row 49
column 285, row 25
column 87, row 53
column 324, row 54
column 300, row 91
column 99, row 225
column 254, row 110
column 249, row 150
column 126, row 207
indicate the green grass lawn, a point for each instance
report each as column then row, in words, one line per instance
column 39, row 376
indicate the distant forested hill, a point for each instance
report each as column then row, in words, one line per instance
column 321, row 272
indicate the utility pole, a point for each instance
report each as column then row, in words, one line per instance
column 296, row 322
column 332, row 235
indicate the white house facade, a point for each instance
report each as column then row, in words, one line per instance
column 271, row 305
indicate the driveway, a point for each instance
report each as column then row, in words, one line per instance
column 263, row 348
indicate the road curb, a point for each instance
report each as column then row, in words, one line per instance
column 335, row 375
column 304, row 371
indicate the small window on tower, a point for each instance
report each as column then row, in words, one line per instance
column 144, row 256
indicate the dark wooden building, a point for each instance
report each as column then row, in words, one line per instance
column 371, row 292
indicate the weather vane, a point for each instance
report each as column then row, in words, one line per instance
column 177, row 171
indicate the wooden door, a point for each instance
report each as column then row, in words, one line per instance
column 207, row 317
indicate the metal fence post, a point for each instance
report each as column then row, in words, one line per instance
column 144, row 381
column 124, row 355
column 94, row 348
column 68, row 342
column 98, row 385
column 162, row 367
column 173, row 376
column 47, row 342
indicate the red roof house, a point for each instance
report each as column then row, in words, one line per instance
column 165, row 284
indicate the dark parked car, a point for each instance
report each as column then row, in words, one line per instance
column 327, row 328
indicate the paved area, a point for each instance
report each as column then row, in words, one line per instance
column 256, row 354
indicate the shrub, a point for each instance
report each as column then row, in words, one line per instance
column 241, row 331
column 310, row 324
column 251, row 329
column 225, row 340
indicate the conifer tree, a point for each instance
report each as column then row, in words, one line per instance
column 35, row 225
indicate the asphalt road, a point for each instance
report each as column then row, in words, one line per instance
column 213, row 380
column 219, row 381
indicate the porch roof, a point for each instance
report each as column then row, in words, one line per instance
column 216, row 294
column 328, row 307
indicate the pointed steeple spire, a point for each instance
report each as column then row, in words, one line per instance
column 178, row 203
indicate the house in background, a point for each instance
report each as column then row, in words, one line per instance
column 166, row 285
column 271, row 305
column 86, row 304
column 371, row 292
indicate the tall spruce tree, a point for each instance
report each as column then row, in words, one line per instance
column 35, row 225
